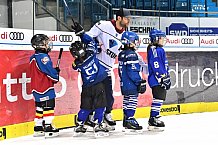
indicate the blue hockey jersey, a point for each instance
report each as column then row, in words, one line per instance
column 43, row 76
column 157, row 65
column 129, row 69
column 91, row 69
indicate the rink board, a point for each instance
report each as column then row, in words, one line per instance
column 63, row 121
column 194, row 81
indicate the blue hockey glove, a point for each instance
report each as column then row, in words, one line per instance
column 142, row 86
column 165, row 82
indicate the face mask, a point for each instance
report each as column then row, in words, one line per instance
column 50, row 46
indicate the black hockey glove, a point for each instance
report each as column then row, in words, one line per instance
column 165, row 82
column 77, row 28
column 142, row 86
column 57, row 69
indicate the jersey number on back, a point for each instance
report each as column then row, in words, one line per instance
column 156, row 64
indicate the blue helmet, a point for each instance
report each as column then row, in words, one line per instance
column 155, row 34
column 129, row 37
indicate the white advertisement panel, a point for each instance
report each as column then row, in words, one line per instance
column 179, row 26
column 22, row 37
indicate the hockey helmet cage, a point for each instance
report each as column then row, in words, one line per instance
column 39, row 40
column 155, row 34
column 77, row 49
column 129, row 37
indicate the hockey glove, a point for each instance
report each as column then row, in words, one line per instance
column 77, row 28
column 142, row 86
column 165, row 82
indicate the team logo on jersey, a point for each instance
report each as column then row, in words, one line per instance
column 112, row 43
column 45, row 60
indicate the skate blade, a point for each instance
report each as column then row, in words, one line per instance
column 110, row 128
column 78, row 134
column 156, row 129
column 89, row 128
column 38, row 134
column 101, row 134
column 51, row 134
column 131, row 131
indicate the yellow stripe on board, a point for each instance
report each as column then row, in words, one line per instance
column 16, row 130
column 63, row 121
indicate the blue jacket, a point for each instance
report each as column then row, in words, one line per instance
column 91, row 69
column 157, row 65
column 129, row 69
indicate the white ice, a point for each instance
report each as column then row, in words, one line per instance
column 186, row 129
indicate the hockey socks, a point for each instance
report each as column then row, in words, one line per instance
column 154, row 124
column 155, row 107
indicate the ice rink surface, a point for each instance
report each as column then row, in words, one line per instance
column 186, row 129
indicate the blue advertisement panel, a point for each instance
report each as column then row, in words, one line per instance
column 181, row 29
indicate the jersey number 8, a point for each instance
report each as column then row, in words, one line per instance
column 156, row 64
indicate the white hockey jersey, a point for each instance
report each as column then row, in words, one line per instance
column 109, row 38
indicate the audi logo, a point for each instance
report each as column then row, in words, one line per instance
column 16, row 35
column 145, row 41
column 187, row 41
column 65, row 38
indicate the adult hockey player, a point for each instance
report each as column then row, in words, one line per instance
column 43, row 77
column 158, row 78
column 93, row 89
column 108, row 34
column 131, row 82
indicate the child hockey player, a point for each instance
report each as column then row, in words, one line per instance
column 130, row 81
column 43, row 78
column 93, row 90
column 159, row 78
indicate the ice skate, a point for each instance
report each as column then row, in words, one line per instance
column 89, row 123
column 109, row 122
column 154, row 124
column 38, row 131
column 131, row 125
column 79, row 130
column 50, row 131
column 100, row 131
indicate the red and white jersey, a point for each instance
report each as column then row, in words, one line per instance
column 109, row 39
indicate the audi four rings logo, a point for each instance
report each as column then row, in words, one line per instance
column 65, row 38
column 145, row 40
column 187, row 41
column 16, row 35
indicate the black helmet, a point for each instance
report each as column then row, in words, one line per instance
column 77, row 49
column 38, row 40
